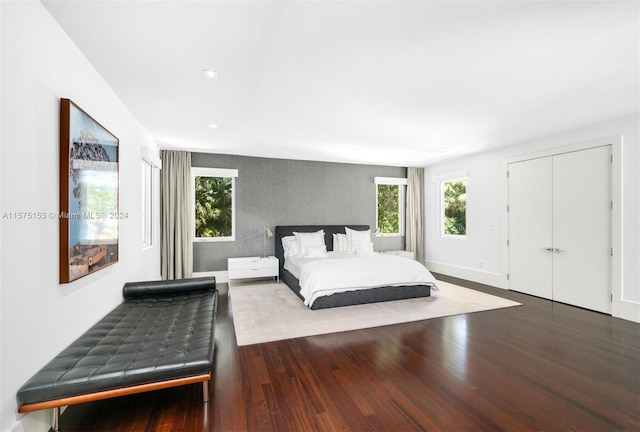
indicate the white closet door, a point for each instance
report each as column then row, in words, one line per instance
column 582, row 228
column 530, row 227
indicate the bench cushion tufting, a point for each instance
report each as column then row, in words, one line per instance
column 145, row 339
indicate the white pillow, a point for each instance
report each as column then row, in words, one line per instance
column 357, row 238
column 340, row 243
column 316, row 251
column 290, row 246
column 309, row 239
column 364, row 249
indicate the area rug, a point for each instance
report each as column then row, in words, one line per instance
column 264, row 312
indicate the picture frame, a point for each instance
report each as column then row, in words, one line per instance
column 89, row 215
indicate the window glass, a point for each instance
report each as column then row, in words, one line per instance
column 147, row 204
column 390, row 207
column 214, row 207
column 454, row 207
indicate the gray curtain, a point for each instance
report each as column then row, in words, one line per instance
column 176, row 219
column 415, row 212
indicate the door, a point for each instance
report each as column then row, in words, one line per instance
column 530, row 227
column 560, row 227
column 582, row 228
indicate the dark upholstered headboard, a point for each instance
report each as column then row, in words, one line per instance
column 329, row 230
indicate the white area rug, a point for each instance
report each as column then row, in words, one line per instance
column 264, row 312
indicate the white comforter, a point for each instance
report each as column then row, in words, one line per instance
column 345, row 272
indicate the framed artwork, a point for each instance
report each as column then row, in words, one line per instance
column 89, row 214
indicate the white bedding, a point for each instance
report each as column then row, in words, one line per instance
column 339, row 272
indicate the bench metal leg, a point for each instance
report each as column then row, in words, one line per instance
column 56, row 419
column 205, row 391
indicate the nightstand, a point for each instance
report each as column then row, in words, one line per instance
column 253, row 267
column 402, row 253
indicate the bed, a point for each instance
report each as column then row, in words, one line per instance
column 296, row 268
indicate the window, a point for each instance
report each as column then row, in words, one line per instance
column 390, row 205
column 147, row 204
column 454, row 207
column 151, row 164
column 214, row 204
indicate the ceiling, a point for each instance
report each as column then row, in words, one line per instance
column 406, row 83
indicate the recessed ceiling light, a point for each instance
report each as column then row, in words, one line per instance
column 443, row 149
column 208, row 73
column 213, row 125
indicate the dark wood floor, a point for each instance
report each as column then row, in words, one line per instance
column 539, row 366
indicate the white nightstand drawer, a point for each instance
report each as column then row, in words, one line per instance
column 252, row 263
column 252, row 267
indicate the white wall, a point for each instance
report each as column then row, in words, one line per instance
column 39, row 317
column 485, row 209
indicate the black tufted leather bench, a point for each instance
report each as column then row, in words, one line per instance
column 161, row 335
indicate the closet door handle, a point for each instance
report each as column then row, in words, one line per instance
column 549, row 249
column 557, row 250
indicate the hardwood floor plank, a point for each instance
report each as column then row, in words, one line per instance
column 539, row 366
column 271, row 402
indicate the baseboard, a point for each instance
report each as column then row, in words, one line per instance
column 32, row 422
column 480, row 276
column 221, row 276
column 627, row 310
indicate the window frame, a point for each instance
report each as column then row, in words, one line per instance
column 214, row 172
column 148, row 203
column 402, row 196
column 441, row 186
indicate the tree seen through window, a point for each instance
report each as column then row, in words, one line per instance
column 455, row 207
column 389, row 208
column 213, row 207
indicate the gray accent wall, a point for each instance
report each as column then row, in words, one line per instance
column 272, row 192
